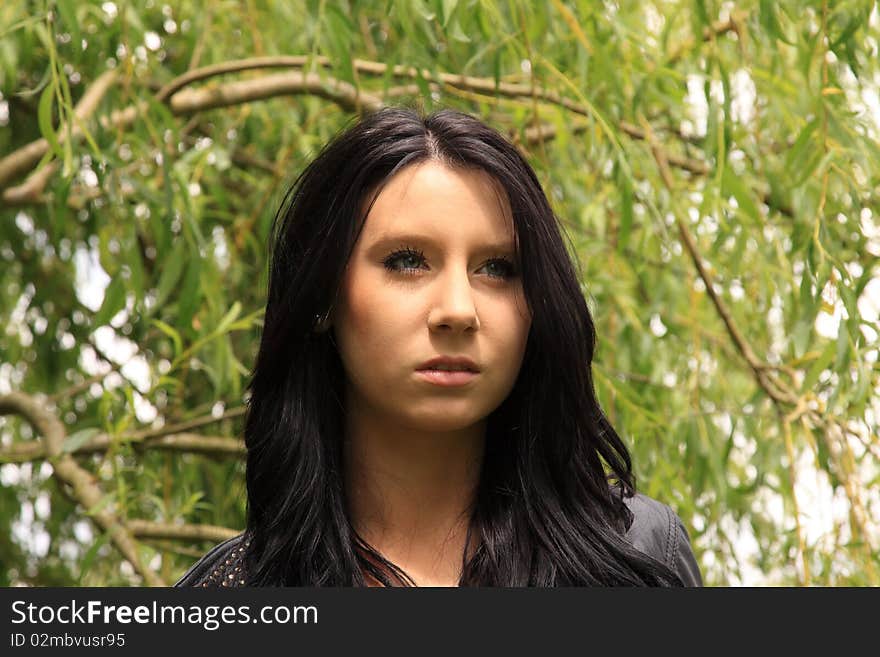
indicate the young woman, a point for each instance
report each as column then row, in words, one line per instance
column 422, row 409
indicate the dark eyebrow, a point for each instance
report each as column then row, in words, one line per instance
column 398, row 239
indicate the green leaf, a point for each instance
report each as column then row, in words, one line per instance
column 458, row 34
column 169, row 381
column 798, row 148
column 843, row 351
column 701, row 14
column 76, row 440
column 85, row 565
column 449, row 7
column 850, row 302
column 114, row 301
column 171, row 332
column 423, row 10
column 770, row 21
column 210, row 372
column 239, row 367
column 732, row 185
column 189, row 505
column 425, row 91
column 172, row 268
column 248, row 321
column 815, row 164
column 44, row 119
column 105, row 500
column 862, row 387
column 624, row 186
column 67, row 10
column 228, row 319
column 190, row 292
column 135, row 265
column 801, row 334
column 338, row 31
column 819, row 366
column 855, row 22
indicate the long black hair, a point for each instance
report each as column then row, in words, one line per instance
column 549, row 508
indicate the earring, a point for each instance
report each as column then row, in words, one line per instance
column 322, row 322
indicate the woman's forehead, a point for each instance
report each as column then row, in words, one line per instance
column 431, row 197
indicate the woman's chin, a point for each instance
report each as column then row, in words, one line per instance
column 444, row 418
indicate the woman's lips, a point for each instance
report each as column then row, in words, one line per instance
column 446, row 377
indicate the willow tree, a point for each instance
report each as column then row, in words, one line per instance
column 714, row 163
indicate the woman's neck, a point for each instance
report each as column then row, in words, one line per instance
column 410, row 493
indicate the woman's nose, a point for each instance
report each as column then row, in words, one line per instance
column 454, row 307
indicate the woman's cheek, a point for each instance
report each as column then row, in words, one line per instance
column 375, row 327
column 361, row 304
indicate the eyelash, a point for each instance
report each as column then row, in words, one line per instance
column 389, row 261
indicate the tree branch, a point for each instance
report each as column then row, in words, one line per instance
column 765, row 378
column 696, row 167
column 186, row 425
column 184, row 101
column 76, row 389
column 27, row 156
column 148, row 529
column 710, row 33
column 81, row 482
column 197, row 444
column 171, row 438
column 193, row 443
column 31, row 190
column 234, row 66
column 841, row 457
column 344, row 94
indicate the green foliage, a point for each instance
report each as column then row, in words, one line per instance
column 133, row 260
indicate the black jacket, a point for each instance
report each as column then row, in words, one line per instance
column 656, row 530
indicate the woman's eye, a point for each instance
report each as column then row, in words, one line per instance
column 404, row 260
column 500, row 268
column 409, row 261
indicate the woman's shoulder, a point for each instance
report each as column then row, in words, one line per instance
column 223, row 565
column 657, row 531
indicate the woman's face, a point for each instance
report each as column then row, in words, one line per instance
column 433, row 274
